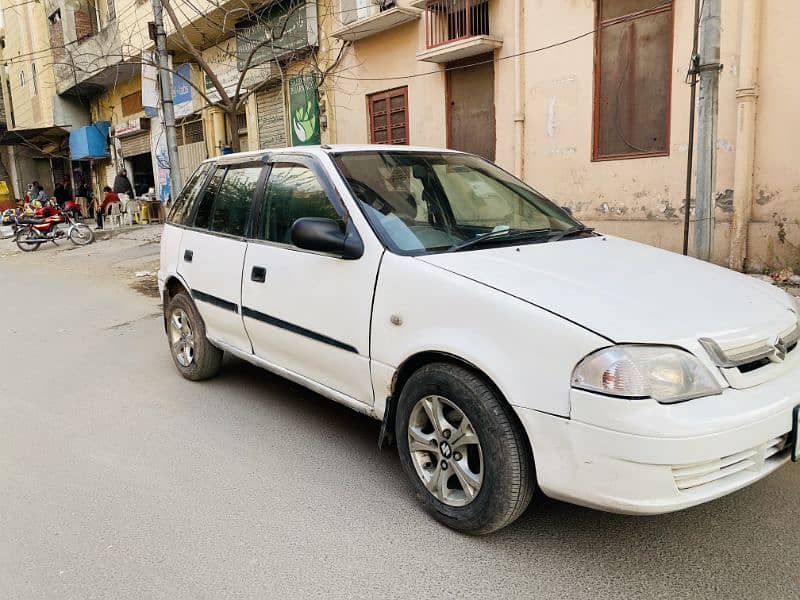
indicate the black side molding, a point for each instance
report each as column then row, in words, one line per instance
column 218, row 302
column 259, row 316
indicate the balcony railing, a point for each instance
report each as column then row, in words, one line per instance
column 452, row 20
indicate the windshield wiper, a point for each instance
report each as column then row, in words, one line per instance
column 503, row 235
column 575, row 230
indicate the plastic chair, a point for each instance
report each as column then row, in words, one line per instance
column 130, row 213
column 114, row 216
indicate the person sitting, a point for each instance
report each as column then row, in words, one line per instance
column 109, row 197
column 41, row 196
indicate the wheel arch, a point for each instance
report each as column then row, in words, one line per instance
column 172, row 286
column 415, row 362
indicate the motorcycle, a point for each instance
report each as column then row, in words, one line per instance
column 32, row 232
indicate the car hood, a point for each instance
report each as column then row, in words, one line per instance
column 626, row 291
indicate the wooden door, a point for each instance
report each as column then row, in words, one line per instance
column 470, row 94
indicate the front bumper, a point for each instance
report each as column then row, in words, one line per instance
column 639, row 457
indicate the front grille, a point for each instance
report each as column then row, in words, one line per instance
column 692, row 476
column 756, row 361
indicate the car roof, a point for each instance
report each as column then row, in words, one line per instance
column 322, row 150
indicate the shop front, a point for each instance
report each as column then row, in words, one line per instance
column 89, row 153
column 135, row 153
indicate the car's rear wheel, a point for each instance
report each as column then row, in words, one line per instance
column 463, row 449
column 194, row 356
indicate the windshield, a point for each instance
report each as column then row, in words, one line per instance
column 420, row 202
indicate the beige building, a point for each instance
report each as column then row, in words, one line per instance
column 586, row 99
column 598, row 121
column 37, row 119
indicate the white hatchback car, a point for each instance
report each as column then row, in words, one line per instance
column 502, row 344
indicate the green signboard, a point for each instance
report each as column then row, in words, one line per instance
column 304, row 110
column 279, row 30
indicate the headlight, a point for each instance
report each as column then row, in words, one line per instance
column 663, row 373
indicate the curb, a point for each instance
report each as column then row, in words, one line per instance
column 102, row 235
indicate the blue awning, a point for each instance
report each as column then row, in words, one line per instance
column 90, row 141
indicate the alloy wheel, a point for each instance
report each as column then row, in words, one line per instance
column 181, row 337
column 445, row 451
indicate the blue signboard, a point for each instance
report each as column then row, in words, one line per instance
column 180, row 86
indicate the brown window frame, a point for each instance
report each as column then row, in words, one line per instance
column 132, row 97
column 600, row 24
column 388, row 95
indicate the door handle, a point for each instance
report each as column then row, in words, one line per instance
column 188, row 255
column 258, row 274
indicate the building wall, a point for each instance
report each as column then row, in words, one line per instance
column 640, row 198
column 367, row 68
column 28, row 48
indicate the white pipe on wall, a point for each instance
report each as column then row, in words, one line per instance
column 747, row 100
column 519, row 90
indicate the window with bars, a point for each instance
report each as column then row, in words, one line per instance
column 450, row 20
column 190, row 132
column 633, row 78
column 388, row 116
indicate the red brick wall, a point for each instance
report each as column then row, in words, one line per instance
column 57, row 40
column 84, row 26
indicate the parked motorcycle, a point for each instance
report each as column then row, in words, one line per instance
column 32, row 232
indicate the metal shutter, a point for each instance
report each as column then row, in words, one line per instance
column 189, row 156
column 135, row 144
column 271, row 118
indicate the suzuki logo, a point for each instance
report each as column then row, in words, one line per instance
column 780, row 350
column 446, row 450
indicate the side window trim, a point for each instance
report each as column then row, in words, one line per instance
column 200, row 194
column 207, row 166
column 251, row 231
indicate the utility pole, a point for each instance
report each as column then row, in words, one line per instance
column 687, row 206
column 167, row 104
column 707, row 111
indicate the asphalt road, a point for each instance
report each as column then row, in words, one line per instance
column 118, row 479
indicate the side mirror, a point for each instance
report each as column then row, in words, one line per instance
column 324, row 235
column 567, row 210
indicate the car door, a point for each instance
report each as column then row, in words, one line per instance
column 213, row 249
column 308, row 312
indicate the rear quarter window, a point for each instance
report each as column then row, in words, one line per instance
column 182, row 208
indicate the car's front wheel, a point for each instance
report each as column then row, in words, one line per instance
column 194, row 356
column 463, row 449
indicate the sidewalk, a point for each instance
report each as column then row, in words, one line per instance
column 130, row 254
column 135, row 233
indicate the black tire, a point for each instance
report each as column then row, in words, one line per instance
column 207, row 358
column 508, row 472
column 81, row 235
column 25, row 234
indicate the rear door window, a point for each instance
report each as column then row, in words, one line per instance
column 234, row 198
column 182, row 209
